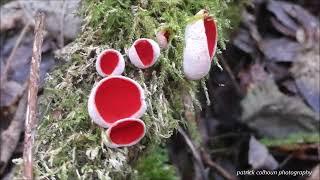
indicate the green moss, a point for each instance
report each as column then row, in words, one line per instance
column 293, row 140
column 69, row 145
column 154, row 166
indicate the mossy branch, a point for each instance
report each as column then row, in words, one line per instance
column 69, row 145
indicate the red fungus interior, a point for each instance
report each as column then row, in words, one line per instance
column 167, row 35
column 108, row 62
column 145, row 51
column 117, row 98
column 211, row 33
column 126, row 132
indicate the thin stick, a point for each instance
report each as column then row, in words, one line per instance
column 13, row 52
column 285, row 161
column 31, row 115
column 61, row 35
column 10, row 137
column 231, row 75
column 195, row 153
column 217, row 167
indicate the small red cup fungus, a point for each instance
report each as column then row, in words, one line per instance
column 200, row 45
column 110, row 62
column 144, row 53
column 115, row 98
column 163, row 38
column 125, row 132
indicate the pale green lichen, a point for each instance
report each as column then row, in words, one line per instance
column 68, row 144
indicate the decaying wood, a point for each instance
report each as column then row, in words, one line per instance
column 31, row 114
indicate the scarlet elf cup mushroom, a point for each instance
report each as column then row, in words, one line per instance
column 115, row 98
column 110, row 62
column 200, row 45
column 144, row 53
column 163, row 38
column 125, row 132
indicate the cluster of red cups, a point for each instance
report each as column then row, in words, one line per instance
column 117, row 102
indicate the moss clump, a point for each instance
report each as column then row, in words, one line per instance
column 154, row 166
column 68, row 145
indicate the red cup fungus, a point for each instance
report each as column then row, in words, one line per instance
column 125, row 132
column 200, row 45
column 163, row 38
column 115, row 98
column 144, row 53
column 110, row 62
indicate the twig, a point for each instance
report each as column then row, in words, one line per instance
column 285, row 161
column 13, row 52
column 231, row 75
column 195, row 153
column 31, row 115
column 61, row 35
column 217, row 167
column 318, row 151
column 10, row 137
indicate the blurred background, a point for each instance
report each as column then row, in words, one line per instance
column 265, row 104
